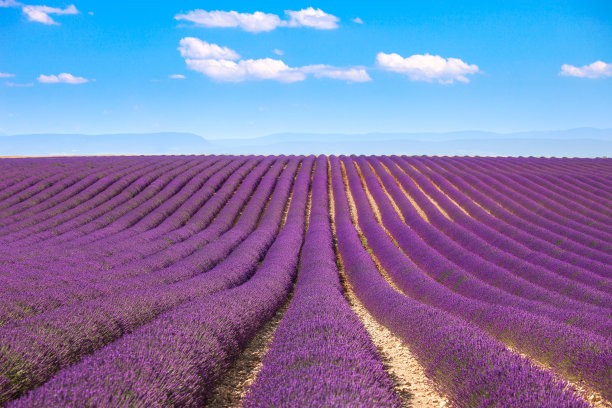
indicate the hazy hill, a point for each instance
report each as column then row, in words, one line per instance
column 75, row 144
column 584, row 142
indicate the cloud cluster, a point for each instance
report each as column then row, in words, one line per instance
column 19, row 85
column 598, row 69
column 5, row 75
column 347, row 74
column 191, row 47
column 40, row 14
column 62, row 78
column 9, row 3
column 310, row 17
column 427, row 67
column 224, row 65
column 260, row 21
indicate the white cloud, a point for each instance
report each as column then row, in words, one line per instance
column 347, row 74
column 357, row 20
column 598, row 69
column 176, row 76
column 9, row 3
column 195, row 48
column 18, row 85
column 224, row 65
column 427, row 67
column 310, row 17
column 259, row 21
column 259, row 69
column 40, row 14
column 253, row 22
column 5, row 75
column 61, row 78
column 279, row 52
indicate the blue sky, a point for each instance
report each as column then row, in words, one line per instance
column 402, row 67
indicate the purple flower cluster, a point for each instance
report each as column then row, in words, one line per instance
column 321, row 354
column 137, row 281
column 176, row 359
column 539, row 330
column 467, row 365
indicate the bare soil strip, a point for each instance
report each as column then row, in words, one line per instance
column 235, row 383
column 440, row 190
column 412, row 386
column 408, row 196
column 230, row 392
column 579, row 388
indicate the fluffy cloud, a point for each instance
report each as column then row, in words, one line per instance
column 63, row 78
column 278, row 52
column 40, row 14
column 260, row 21
column 9, row 3
column 176, row 76
column 347, row 74
column 310, row 17
column 224, row 65
column 259, row 69
column 5, row 75
column 18, row 85
column 427, row 67
column 195, row 48
column 357, row 20
column 598, row 69
column 253, row 22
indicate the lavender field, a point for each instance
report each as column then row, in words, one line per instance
column 260, row 281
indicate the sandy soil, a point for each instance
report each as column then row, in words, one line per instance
column 236, row 382
column 411, row 384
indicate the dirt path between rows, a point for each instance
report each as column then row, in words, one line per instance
column 411, row 384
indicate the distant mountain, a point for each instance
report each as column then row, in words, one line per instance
column 583, row 142
column 129, row 143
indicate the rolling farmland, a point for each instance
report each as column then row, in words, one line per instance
column 297, row 281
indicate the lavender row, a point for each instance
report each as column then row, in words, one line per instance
column 573, row 352
column 512, row 214
column 176, row 359
column 446, row 256
column 204, row 215
column 458, row 279
column 74, row 198
column 98, row 174
column 220, row 185
column 467, row 366
column 525, row 205
column 61, row 271
column 582, row 194
column 93, row 200
column 32, row 353
column 88, row 227
column 484, row 247
column 509, row 238
column 86, row 257
column 22, row 190
column 549, row 199
column 129, row 219
column 321, row 354
column 81, row 176
column 143, row 275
